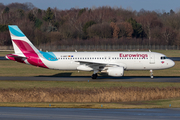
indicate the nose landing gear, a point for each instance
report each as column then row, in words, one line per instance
column 151, row 74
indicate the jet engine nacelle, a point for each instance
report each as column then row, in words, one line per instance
column 84, row 68
column 115, row 71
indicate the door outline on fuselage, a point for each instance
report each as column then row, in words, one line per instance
column 151, row 58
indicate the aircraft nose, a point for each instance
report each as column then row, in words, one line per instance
column 172, row 63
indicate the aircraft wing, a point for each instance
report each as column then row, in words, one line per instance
column 97, row 64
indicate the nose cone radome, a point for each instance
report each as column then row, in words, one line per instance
column 170, row 63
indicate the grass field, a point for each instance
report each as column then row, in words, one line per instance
column 64, row 94
column 110, row 97
column 81, row 85
column 77, row 94
column 175, row 103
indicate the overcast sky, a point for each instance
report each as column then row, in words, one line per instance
column 159, row 5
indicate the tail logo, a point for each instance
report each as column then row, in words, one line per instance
column 22, row 46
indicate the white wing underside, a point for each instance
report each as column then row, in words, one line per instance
column 97, row 65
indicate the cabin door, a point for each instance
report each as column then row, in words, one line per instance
column 152, row 59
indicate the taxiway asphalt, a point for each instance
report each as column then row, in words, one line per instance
column 99, row 79
column 17, row 113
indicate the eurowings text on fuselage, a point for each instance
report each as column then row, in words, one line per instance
column 113, row 63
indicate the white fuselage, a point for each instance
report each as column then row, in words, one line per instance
column 128, row 60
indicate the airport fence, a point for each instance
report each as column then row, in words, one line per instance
column 99, row 47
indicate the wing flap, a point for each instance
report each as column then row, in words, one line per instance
column 100, row 64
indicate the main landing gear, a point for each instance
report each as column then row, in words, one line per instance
column 94, row 76
column 151, row 74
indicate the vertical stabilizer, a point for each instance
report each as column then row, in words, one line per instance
column 21, row 43
column 25, row 51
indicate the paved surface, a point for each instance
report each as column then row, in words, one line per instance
column 99, row 79
column 175, row 58
column 2, row 58
column 16, row 113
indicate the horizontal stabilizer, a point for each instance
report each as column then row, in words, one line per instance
column 14, row 56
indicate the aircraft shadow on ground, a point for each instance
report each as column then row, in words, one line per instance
column 66, row 74
column 103, row 76
column 69, row 74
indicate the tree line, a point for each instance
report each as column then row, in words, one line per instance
column 90, row 26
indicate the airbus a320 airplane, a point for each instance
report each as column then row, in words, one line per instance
column 112, row 63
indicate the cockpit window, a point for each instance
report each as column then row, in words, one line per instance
column 164, row 57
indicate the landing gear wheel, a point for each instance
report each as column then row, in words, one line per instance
column 94, row 76
column 151, row 74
